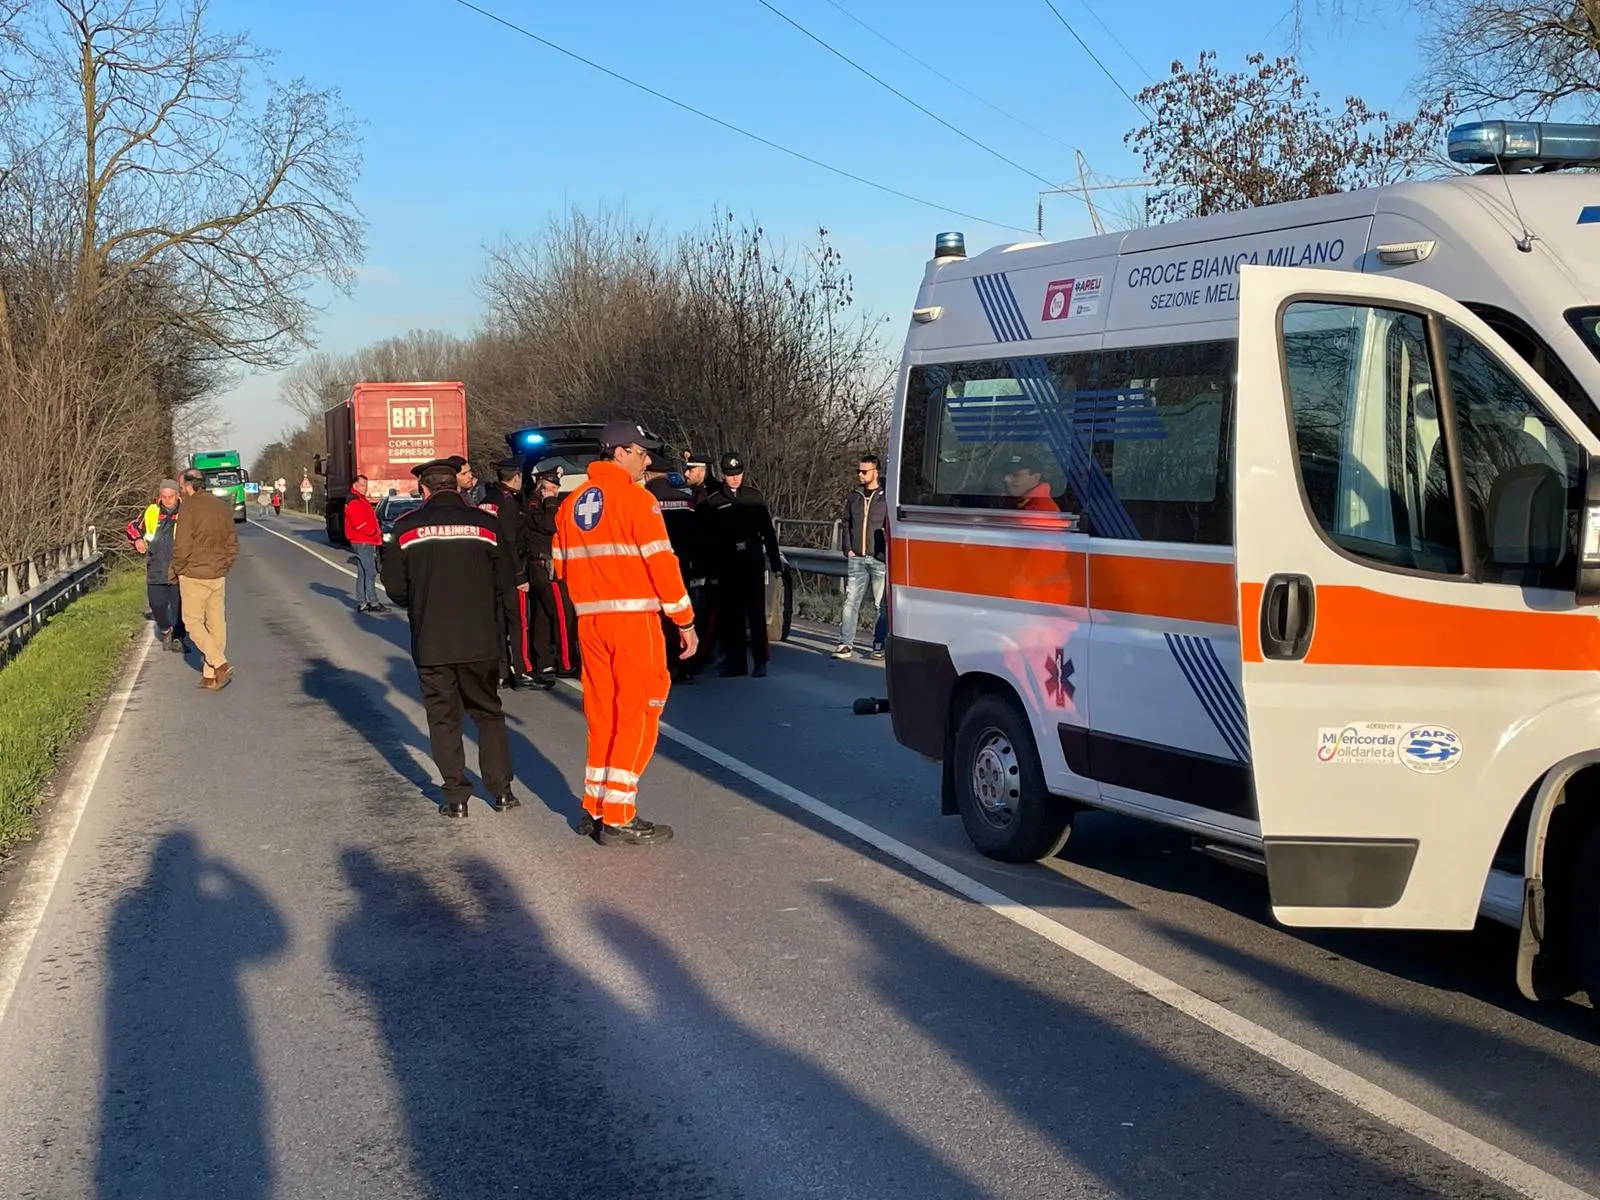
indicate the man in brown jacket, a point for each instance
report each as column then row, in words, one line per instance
column 202, row 554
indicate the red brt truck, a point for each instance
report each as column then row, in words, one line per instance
column 382, row 431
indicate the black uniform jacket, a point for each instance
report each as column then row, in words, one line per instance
column 738, row 524
column 683, row 523
column 541, row 535
column 447, row 569
column 506, row 506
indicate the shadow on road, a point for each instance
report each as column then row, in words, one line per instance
column 362, row 703
column 182, row 1106
column 1148, row 1108
column 493, row 1043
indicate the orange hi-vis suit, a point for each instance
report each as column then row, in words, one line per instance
column 611, row 547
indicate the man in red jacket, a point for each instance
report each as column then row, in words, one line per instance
column 361, row 527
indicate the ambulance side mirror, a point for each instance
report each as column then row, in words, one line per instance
column 1588, row 592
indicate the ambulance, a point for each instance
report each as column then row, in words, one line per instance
column 1280, row 528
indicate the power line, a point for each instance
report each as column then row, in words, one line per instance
column 1104, row 70
column 961, row 133
column 730, row 126
column 938, row 74
column 1128, row 54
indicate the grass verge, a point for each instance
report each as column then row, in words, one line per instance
column 50, row 690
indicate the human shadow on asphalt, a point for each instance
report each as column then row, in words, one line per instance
column 497, row 1047
column 1555, row 1098
column 1147, row 1101
column 361, row 702
column 182, row 1110
column 778, row 1106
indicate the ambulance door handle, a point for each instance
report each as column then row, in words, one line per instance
column 1288, row 615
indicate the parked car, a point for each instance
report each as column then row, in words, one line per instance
column 390, row 509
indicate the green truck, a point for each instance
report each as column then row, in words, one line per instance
column 225, row 476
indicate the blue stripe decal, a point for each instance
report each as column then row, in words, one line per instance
column 1084, row 473
column 1000, row 306
column 983, row 300
column 1215, row 696
column 1590, row 215
column 1230, row 692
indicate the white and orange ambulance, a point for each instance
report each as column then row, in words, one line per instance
column 1281, row 528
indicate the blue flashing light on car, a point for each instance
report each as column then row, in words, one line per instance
column 1522, row 145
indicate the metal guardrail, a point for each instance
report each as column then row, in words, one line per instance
column 34, row 590
column 818, row 550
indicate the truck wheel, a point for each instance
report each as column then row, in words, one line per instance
column 1583, row 914
column 1000, row 791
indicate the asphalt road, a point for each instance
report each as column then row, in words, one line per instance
column 268, row 968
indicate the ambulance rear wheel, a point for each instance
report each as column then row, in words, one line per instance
column 1583, row 915
column 1000, row 791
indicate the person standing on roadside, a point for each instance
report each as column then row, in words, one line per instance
column 365, row 536
column 746, row 546
column 612, row 548
column 504, row 503
column 866, row 530
column 677, row 513
column 555, row 624
column 203, row 552
column 152, row 536
column 449, row 572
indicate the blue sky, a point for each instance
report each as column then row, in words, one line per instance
column 473, row 133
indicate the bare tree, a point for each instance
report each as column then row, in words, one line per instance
column 1532, row 57
column 1220, row 142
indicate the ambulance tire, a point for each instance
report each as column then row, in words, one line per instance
column 1583, row 914
column 1005, row 806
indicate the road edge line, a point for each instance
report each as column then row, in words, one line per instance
column 316, row 554
column 1471, row 1151
column 24, row 917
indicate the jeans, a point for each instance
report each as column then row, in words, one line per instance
column 366, row 574
column 858, row 571
column 165, row 606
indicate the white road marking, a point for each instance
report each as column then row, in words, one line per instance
column 299, row 545
column 21, row 921
column 1466, row 1148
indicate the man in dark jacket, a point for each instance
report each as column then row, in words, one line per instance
column 683, row 526
column 865, row 525
column 744, row 545
column 450, row 573
column 204, row 548
column 504, row 503
column 555, row 622
column 152, row 536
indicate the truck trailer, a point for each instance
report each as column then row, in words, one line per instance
column 382, row 432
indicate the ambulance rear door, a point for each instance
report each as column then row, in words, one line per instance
column 1405, row 491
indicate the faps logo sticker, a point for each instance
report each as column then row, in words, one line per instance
column 1067, row 298
column 1430, row 749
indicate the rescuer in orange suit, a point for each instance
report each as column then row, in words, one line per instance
column 611, row 548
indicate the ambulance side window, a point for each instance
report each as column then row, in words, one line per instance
column 1368, row 436
column 1521, row 473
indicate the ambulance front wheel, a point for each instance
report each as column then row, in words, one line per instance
column 1001, row 795
column 1584, row 914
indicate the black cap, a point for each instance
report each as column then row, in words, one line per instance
column 691, row 459
column 551, row 473
column 733, row 464
column 453, row 463
column 627, row 433
column 514, row 463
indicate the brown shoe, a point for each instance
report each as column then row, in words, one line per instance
column 224, row 674
column 207, row 685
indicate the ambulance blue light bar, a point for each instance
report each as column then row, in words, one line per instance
column 532, row 439
column 949, row 245
column 1525, row 143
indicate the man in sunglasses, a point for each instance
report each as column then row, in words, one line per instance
column 866, row 555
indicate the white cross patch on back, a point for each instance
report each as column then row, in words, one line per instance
column 589, row 509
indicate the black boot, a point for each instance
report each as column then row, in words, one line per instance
column 634, row 833
column 523, row 680
column 453, row 808
column 587, row 824
column 761, row 670
column 506, row 801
